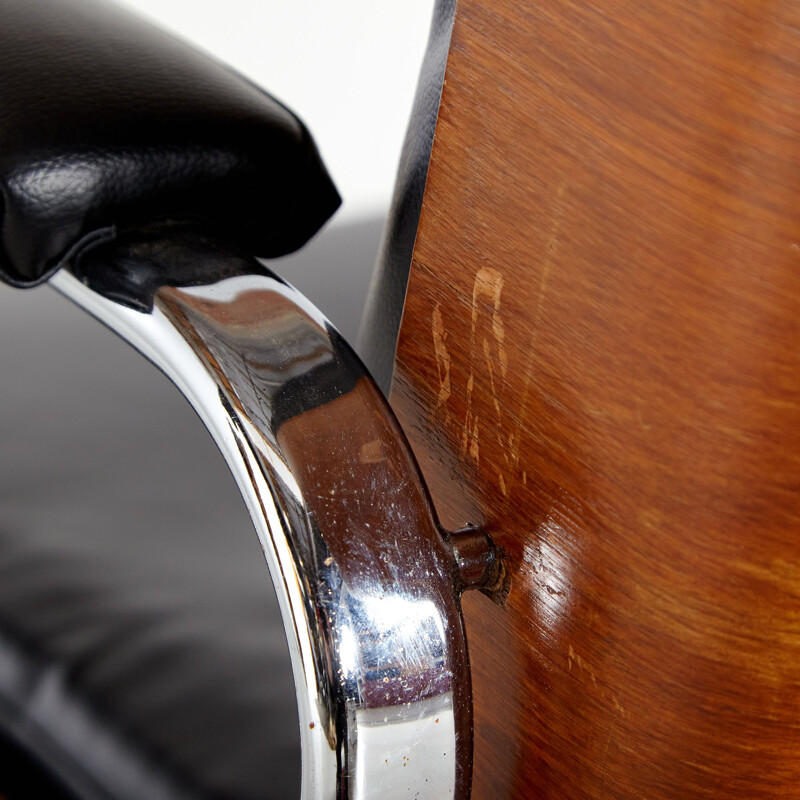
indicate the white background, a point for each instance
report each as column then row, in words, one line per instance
column 348, row 67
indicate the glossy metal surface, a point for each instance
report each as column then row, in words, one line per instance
column 367, row 581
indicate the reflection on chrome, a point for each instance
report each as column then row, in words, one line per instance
column 368, row 583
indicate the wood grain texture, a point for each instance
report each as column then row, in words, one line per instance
column 600, row 361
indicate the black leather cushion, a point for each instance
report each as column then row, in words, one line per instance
column 106, row 121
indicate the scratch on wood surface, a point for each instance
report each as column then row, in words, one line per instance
column 574, row 658
column 488, row 284
column 611, row 729
column 442, row 356
column 550, row 250
column 502, row 482
column 473, row 443
column 469, row 436
column 488, row 356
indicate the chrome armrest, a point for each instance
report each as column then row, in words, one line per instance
column 368, row 583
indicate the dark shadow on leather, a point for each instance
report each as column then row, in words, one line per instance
column 22, row 777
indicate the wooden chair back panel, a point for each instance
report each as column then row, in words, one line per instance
column 600, row 361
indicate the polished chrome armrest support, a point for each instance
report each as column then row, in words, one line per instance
column 367, row 581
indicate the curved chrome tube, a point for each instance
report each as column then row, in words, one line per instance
column 367, row 582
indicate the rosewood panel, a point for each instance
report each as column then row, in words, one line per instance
column 600, row 361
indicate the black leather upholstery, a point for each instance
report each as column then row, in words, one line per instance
column 142, row 655
column 384, row 308
column 106, row 121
